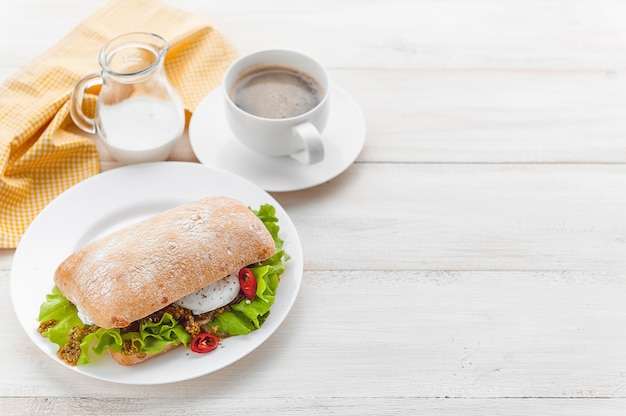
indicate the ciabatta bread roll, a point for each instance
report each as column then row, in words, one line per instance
column 141, row 269
column 136, row 358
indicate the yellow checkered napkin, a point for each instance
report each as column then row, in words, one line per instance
column 41, row 153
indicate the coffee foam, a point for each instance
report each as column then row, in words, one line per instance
column 276, row 92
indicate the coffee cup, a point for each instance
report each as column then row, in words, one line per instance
column 277, row 104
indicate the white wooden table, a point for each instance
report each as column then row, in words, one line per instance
column 472, row 260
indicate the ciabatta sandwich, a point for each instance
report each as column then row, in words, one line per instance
column 169, row 280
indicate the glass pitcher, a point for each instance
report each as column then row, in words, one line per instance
column 139, row 115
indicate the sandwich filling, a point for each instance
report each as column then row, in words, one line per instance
column 213, row 296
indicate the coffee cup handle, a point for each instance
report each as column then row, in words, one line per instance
column 313, row 147
column 81, row 120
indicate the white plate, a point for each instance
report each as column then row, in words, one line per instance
column 214, row 145
column 111, row 200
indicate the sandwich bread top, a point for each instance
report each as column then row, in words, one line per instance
column 142, row 268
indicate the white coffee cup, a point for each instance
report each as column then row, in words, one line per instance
column 252, row 87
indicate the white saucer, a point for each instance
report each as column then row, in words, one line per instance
column 214, row 145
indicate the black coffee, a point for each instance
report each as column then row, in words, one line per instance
column 276, row 92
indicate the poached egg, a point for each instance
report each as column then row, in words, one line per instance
column 213, row 296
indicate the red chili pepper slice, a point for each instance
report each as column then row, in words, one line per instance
column 204, row 342
column 248, row 284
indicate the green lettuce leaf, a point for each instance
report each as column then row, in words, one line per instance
column 58, row 308
column 246, row 316
column 151, row 338
column 103, row 339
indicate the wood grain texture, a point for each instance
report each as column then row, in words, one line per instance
column 471, row 261
column 464, row 217
column 321, row 406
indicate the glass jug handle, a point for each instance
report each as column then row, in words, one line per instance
column 87, row 124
